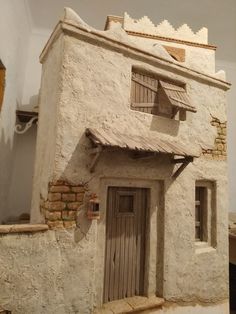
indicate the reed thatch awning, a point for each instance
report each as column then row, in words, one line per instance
column 111, row 138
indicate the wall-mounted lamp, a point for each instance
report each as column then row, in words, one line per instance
column 93, row 207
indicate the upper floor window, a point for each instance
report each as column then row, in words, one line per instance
column 2, row 82
column 159, row 96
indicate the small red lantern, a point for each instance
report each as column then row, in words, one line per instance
column 93, row 207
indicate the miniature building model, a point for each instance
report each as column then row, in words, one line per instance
column 130, row 171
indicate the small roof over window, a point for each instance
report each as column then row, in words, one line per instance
column 177, row 96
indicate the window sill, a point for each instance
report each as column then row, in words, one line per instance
column 130, row 305
column 203, row 247
column 23, row 228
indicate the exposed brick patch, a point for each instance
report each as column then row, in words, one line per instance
column 62, row 203
column 219, row 152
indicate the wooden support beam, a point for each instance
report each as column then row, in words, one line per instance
column 174, row 112
column 143, row 155
column 184, row 163
column 182, row 160
column 144, row 105
column 96, row 152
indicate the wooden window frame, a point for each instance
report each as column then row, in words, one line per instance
column 159, row 104
column 205, row 203
column 201, row 217
column 125, row 213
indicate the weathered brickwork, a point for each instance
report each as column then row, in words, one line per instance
column 63, row 201
column 220, row 148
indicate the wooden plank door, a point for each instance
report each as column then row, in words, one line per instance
column 126, row 225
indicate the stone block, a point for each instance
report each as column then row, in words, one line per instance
column 59, row 182
column 80, row 197
column 55, row 224
column 55, row 215
column 70, row 197
column 69, row 215
column 69, row 224
column 219, row 130
column 59, row 189
column 54, row 196
column 78, row 189
column 73, row 205
column 58, row 205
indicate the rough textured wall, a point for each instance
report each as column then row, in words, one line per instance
column 89, row 96
column 104, row 101
column 90, row 99
column 46, row 139
column 49, row 272
column 196, row 58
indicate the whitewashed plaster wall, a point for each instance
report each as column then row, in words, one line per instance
column 230, row 69
column 14, row 34
column 19, row 52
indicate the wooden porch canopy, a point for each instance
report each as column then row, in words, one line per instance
column 102, row 139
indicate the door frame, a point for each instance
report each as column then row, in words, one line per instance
column 140, row 212
column 153, row 241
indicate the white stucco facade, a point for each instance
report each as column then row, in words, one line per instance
column 23, row 80
column 77, row 92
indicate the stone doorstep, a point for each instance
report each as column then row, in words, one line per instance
column 130, row 305
column 21, row 228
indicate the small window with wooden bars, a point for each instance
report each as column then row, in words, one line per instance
column 205, row 212
column 160, row 97
column 2, row 82
column 200, row 212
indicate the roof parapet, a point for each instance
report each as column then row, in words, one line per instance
column 71, row 17
column 145, row 26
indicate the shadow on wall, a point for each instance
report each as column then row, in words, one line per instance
column 232, row 281
column 5, row 173
column 165, row 125
column 16, row 173
column 20, row 190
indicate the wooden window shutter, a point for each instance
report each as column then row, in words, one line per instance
column 144, row 96
column 176, row 96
